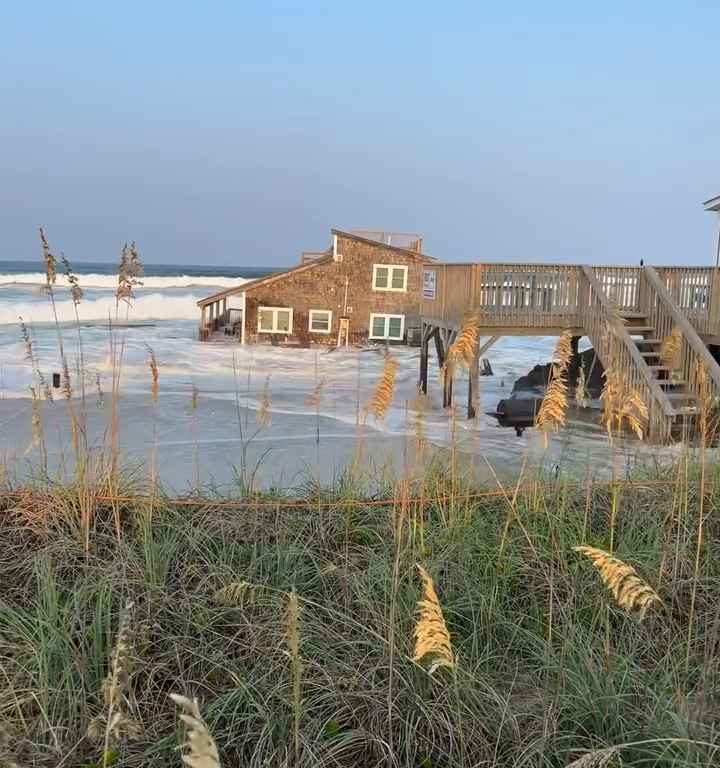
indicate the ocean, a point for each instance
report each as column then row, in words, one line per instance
column 232, row 382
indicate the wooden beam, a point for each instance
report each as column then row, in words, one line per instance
column 487, row 345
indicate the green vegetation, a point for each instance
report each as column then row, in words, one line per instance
column 294, row 627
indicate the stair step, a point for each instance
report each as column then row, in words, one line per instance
column 633, row 315
column 671, row 382
column 648, row 341
column 680, row 396
column 650, row 354
column 631, row 329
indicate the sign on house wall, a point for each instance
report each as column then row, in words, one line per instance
column 429, row 283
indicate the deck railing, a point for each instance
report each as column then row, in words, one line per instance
column 621, row 286
column 506, row 295
column 695, row 291
column 665, row 316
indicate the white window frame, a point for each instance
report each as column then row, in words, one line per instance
column 327, row 312
column 275, row 329
column 390, row 268
column 387, row 318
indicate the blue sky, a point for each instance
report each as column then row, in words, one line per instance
column 241, row 132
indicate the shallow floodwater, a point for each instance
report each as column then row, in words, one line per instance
column 215, row 440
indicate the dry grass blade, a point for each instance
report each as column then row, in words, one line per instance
column 293, row 642
column 194, row 398
column 432, row 639
column 201, row 750
column 264, row 414
column 598, row 758
column 385, row 390
column 315, row 397
column 154, row 373
column 623, row 406
column 630, row 592
column 582, row 396
column 36, row 421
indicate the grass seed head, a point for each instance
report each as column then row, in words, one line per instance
column 264, row 413
column 670, row 349
column 200, row 748
column 629, row 591
column 154, row 373
column 76, row 292
column 384, row 393
column 598, row 758
column 116, row 721
column 623, row 406
column 50, row 262
column 432, row 639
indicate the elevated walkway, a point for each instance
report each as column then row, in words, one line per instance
column 626, row 312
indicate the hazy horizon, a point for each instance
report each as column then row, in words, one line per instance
column 240, row 134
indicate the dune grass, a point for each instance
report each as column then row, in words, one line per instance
column 293, row 667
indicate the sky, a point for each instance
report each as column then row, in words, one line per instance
column 240, row 133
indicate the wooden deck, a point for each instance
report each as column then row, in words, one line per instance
column 544, row 299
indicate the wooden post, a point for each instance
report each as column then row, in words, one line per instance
column 424, row 350
column 473, row 385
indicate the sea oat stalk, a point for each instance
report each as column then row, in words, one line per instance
column 630, row 592
column 200, row 748
column 432, row 639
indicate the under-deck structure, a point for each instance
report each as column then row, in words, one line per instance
column 545, row 300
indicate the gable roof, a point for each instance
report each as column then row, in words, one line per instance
column 310, row 265
column 267, row 279
column 713, row 204
column 380, row 244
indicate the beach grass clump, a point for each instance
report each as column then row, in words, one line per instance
column 292, row 629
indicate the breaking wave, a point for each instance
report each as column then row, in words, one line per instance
column 110, row 282
column 153, row 306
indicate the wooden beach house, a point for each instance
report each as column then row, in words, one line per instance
column 367, row 286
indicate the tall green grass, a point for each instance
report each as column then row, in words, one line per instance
column 538, row 680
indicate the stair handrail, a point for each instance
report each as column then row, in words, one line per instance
column 650, row 382
column 689, row 333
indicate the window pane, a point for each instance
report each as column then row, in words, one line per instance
column 394, row 327
column 266, row 320
column 398, row 278
column 283, row 320
column 320, row 321
column 378, row 327
column 381, row 277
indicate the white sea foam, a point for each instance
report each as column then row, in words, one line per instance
column 110, row 281
column 152, row 306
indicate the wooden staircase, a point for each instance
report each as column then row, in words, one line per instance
column 672, row 395
column 674, row 388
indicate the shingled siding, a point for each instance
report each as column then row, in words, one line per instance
column 322, row 286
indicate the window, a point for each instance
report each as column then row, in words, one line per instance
column 320, row 321
column 275, row 320
column 389, row 277
column 388, row 327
